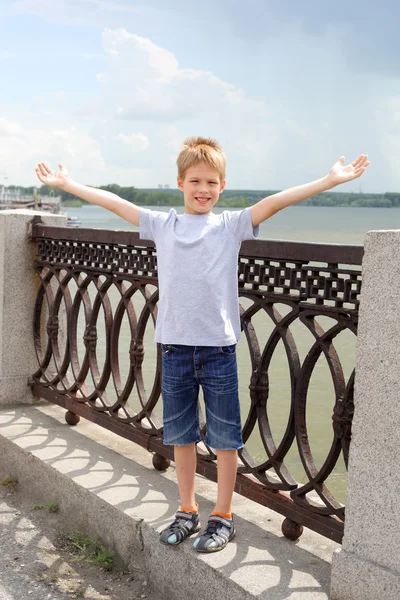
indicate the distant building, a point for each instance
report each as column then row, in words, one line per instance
column 10, row 199
column 11, row 196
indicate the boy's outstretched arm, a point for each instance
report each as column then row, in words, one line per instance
column 61, row 180
column 338, row 174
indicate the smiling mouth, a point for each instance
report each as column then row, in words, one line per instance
column 202, row 200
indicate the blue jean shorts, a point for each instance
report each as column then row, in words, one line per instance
column 184, row 370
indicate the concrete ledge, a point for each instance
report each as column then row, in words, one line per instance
column 358, row 579
column 107, row 486
column 15, row 390
column 19, row 284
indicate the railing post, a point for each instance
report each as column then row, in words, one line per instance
column 367, row 566
column 18, row 287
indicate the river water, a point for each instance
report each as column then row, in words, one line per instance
column 316, row 224
column 304, row 223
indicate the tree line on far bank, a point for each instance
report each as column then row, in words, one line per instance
column 230, row 198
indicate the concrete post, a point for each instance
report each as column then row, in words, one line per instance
column 368, row 566
column 18, row 287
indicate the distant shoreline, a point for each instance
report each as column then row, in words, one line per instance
column 77, row 203
column 229, row 199
column 244, row 198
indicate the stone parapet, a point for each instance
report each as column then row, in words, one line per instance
column 367, row 567
column 18, row 288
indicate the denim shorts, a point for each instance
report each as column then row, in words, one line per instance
column 184, row 370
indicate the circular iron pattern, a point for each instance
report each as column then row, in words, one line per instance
column 97, row 279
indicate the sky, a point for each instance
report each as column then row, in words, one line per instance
column 111, row 88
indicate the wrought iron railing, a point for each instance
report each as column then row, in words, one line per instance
column 90, row 281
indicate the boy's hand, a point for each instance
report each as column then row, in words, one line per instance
column 51, row 178
column 127, row 210
column 340, row 174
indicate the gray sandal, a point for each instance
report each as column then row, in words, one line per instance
column 184, row 525
column 219, row 532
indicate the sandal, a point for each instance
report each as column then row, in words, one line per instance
column 184, row 525
column 219, row 532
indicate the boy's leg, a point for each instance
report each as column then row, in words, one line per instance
column 224, row 433
column 185, row 462
column 186, row 521
column 220, row 527
column 182, row 430
column 227, row 461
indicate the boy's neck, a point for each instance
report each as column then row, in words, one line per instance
column 198, row 215
column 193, row 214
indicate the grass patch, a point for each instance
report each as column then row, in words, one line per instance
column 53, row 507
column 37, row 507
column 104, row 558
column 10, row 482
column 90, row 549
column 48, row 578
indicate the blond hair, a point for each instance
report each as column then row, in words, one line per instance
column 199, row 149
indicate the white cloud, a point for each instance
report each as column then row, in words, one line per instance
column 144, row 81
column 9, row 128
column 53, row 104
column 25, row 147
column 269, row 145
column 144, row 84
column 21, row 148
column 314, row 107
column 136, row 141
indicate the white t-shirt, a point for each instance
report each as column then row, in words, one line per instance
column 197, row 263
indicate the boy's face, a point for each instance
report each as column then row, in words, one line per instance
column 201, row 188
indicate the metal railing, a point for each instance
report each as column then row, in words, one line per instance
column 91, row 280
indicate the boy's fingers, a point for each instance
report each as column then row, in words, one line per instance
column 39, row 175
column 359, row 171
column 362, row 159
column 46, row 168
column 360, row 164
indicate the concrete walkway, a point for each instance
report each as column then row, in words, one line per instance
column 107, row 486
column 37, row 563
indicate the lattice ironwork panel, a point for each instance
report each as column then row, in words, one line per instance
column 329, row 284
column 104, row 258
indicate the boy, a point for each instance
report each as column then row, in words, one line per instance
column 198, row 321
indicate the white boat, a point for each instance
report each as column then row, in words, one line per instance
column 73, row 222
